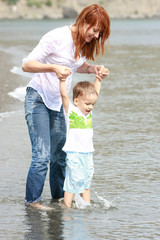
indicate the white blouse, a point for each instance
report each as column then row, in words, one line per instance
column 55, row 47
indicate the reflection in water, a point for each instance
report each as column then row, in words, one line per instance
column 43, row 225
column 76, row 224
column 64, row 223
column 36, row 224
column 58, row 224
column 55, row 225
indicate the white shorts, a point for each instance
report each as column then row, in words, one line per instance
column 79, row 172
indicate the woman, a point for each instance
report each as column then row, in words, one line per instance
column 59, row 54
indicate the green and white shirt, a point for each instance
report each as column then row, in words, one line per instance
column 79, row 131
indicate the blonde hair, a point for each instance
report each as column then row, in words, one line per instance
column 92, row 15
column 84, row 88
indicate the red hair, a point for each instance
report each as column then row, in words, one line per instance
column 94, row 15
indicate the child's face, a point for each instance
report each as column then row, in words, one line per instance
column 85, row 103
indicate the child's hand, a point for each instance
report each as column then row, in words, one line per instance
column 104, row 72
column 62, row 72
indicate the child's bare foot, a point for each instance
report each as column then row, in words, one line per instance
column 41, row 207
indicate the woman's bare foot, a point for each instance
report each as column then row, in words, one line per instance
column 41, row 207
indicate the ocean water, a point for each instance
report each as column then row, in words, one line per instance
column 125, row 192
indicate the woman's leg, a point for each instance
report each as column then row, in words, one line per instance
column 37, row 118
column 57, row 163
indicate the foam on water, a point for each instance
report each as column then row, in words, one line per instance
column 80, row 202
column 18, row 93
column 18, row 71
column 100, row 203
column 4, row 115
column 105, row 203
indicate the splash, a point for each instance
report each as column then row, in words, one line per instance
column 105, row 203
column 80, row 203
column 102, row 203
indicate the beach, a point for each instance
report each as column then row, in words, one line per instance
column 59, row 9
column 15, row 150
column 125, row 188
column 14, row 143
column 7, row 85
column 13, row 129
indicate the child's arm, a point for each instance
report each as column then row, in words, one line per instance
column 97, row 82
column 64, row 95
column 63, row 91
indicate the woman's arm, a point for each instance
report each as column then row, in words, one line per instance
column 84, row 68
column 88, row 68
column 37, row 67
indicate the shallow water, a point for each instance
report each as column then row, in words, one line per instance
column 125, row 189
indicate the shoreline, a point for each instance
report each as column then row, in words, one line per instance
column 70, row 9
column 8, row 83
column 43, row 17
column 6, row 18
column 14, row 131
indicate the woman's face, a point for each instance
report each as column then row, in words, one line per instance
column 93, row 32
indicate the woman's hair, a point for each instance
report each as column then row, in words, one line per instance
column 92, row 15
column 83, row 88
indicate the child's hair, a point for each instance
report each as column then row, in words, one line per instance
column 84, row 88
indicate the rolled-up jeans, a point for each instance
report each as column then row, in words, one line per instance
column 47, row 132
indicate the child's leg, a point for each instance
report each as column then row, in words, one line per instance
column 86, row 195
column 68, row 197
column 89, row 170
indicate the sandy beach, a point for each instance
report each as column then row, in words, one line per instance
column 14, row 140
column 61, row 8
column 12, row 123
column 14, row 152
column 8, row 82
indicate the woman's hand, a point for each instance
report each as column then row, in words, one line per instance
column 62, row 72
column 103, row 72
column 97, row 69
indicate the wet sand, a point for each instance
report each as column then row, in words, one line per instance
column 14, row 140
column 14, row 157
column 8, row 82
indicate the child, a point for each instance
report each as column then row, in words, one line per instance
column 79, row 144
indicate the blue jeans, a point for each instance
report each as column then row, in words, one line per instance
column 47, row 132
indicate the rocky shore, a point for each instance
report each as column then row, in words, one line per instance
column 41, row 9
